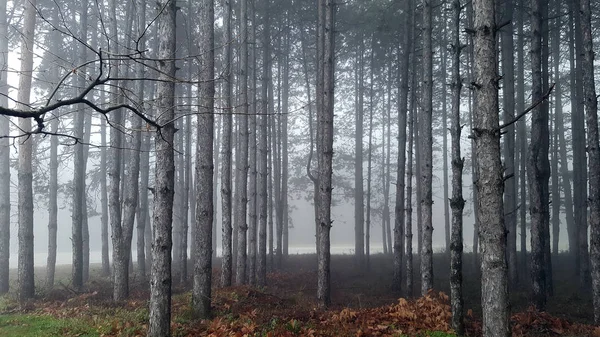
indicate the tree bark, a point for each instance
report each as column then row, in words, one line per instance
column 508, row 103
column 359, row 204
column 26, row 287
column 494, row 289
column 226, row 262
column 593, row 147
column 164, row 181
column 538, row 166
column 242, row 166
column 403, row 88
column 426, row 140
column 201, row 293
column 252, row 153
column 326, row 153
column 457, row 203
column 263, row 144
column 522, row 135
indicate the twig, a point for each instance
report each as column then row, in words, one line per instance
column 533, row 106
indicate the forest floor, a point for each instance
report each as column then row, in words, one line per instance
column 363, row 304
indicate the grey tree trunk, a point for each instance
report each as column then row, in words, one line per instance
column 367, row 227
column 114, row 197
column 263, row 177
column 494, row 284
column 426, row 140
column 359, row 203
column 164, row 177
column 457, row 203
column 104, row 199
column 4, row 157
column 579, row 150
column 201, row 293
column 412, row 131
column 252, row 152
column 593, row 146
column 52, row 179
column 538, row 166
column 242, row 165
column 131, row 178
column 79, row 165
column 508, row 104
column 522, row 136
column 226, row 262
column 26, row 285
column 325, row 154
column 403, row 88
column 284, row 140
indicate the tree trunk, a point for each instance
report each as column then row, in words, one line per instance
column 409, row 291
column 522, row 135
column 494, row 289
column 26, row 287
column 508, row 104
column 443, row 66
column 53, row 178
column 457, row 203
column 593, row 146
column 226, row 262
column 426, row 140
column 579, row 150
column 242, row 166
column 538, row 166
column 403, row 88
column 263, row 176
column 164, row 180
column 359, row 206
column 201, row 294
column 252, row 154
column 284, row 140
column 325, row 154
column 367, row 227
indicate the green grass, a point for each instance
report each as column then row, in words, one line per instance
column 43, row 326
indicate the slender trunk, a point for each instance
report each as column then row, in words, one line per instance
column 591, row 118
column 164, row 180
column 412, row 132
column 226, row 266
column 426, row 140
column 359, row 206
column 579, row 151
column 508, row 104
column 242, row 165
column 26, row 287
column 53, row 178
column 201, row 293
column 403, row 89
column 263, row 176
column 284, row 140
column 457, row 203
column 538, row 164
column 494, row 285
column 522, row 134
column 252, row 153
column 367, row 238
column 325, row 154
column 445, row 198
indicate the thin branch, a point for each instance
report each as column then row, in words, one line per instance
column 533, row 106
